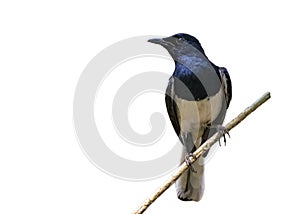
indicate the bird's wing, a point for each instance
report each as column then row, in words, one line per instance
column 227, row 87
column 226, row 83
column 172, row 107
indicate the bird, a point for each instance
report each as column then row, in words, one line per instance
column 197, row 96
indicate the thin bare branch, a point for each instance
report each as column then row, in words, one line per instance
column 203, row 148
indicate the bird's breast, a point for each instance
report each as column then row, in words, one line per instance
column 197, row 113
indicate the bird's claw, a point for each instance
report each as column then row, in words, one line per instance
column 188, row 162
column 223, row 131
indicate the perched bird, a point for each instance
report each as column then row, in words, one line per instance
column 197, row 96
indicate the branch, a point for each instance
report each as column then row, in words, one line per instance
column 203, row 148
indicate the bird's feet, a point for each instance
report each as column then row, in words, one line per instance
column 188, row 162
column 222, row 132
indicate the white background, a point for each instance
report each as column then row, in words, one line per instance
column 44, row 47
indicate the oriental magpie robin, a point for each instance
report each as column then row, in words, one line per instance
column 197, row 96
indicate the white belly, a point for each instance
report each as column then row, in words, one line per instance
column 195, row 115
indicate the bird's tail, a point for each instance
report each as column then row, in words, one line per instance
column 190, row 185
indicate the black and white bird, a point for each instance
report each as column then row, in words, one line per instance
column 197, row 96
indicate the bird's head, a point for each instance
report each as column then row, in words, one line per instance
column 180, row 43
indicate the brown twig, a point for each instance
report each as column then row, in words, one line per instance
column 204, row 147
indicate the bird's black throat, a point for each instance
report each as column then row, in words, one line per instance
column 195, row 85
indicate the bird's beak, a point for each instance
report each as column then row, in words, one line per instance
column 165, row 42
column 158, row 41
